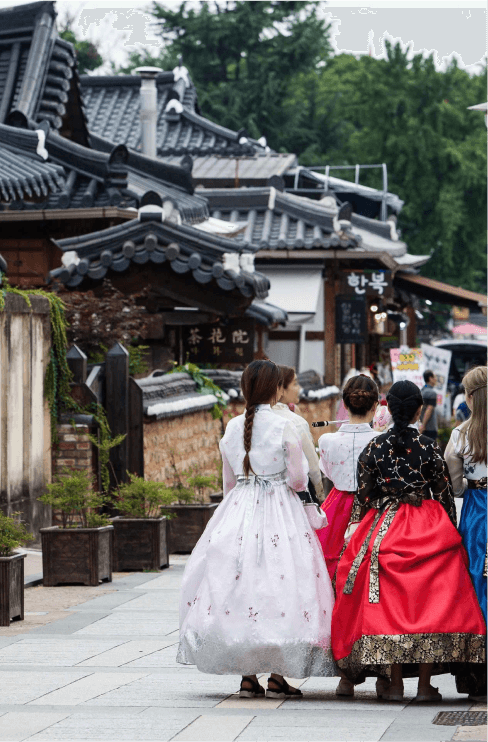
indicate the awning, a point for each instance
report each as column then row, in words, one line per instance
column 294, row 289
column 428, row 288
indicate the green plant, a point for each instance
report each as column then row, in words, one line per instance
column 13, row 533
column 137, row 364
column 73, row 495
column 204, row 386
column 180, row 491
column 140, row 498
column 201, row 482
column 104, row 443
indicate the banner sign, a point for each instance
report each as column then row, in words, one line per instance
column 373, row 284
column 407, row 364
column 350, row 317
column 232, row 343
column 438, row 360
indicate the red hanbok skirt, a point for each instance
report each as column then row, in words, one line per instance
column 427, row 609
column 337, row 506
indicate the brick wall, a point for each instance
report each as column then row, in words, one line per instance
column 192, row 438
column 74, row 451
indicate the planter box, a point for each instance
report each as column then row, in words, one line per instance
column 216, row 497
column 188, row 526
column 140, row 543
column 11, row 588
column 81, row 555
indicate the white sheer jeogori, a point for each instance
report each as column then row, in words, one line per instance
column 256, row 594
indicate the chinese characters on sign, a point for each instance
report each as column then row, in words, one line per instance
column 350, row 319
column 232, row 343
column 367, row 283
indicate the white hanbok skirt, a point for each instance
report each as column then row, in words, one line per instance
column 256, row 595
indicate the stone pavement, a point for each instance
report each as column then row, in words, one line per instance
column 99, row 664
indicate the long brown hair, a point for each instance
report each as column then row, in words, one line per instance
column 475, row 429
column 259, row 384
column 288, row 374
column 360, row 394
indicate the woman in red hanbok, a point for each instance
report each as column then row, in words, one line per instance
column 405, row 604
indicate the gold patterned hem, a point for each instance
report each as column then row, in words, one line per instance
column 375, row 654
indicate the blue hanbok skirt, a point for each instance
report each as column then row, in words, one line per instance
column 472, row 527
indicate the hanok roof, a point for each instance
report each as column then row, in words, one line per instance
column 278, row 221
column 38, row 77
column 40, row 171
column 260, row 169
column 211, row 261
column 112, row 105
column 172, row 395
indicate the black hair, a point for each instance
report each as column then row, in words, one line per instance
column 404, row 399
column 360, row 394
column 428, row 375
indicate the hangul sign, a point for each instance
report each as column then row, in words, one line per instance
column 367, row 283
column 350, row 320
column 232, row 343
column 407, row 364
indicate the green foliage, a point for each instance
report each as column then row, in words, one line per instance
column 87, row 55
column 137, row 364
column 104, row 442
column 139, row 498
column 181, row 493
column 204, row 386
column 13, row 533
column 201, row 482
column 73, row 495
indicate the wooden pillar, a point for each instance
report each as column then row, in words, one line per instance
column 329, row 328
column 117, row 408
column 412, row 327
column 77, row 363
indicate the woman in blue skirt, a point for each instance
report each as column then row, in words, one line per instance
column 466, row 457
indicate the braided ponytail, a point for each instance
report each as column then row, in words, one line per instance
column 259, row 383
column 404, row 399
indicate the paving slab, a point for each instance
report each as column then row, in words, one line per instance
column 130, row 623
column 126, row 729
column 53, row 651
column 19, row 687
column 421, row 732
column 474, row 734
column 131, row 654
column 16, row 726
column 72, row 623
column 85, row 689
column 208, row 729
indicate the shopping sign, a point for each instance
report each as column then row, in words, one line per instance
column 407, row 364
column 438, row 360
column 373, row 284
column 216, row 343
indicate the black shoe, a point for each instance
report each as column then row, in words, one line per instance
column 254, row 690
column 282, row 690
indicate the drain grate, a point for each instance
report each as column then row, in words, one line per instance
column 462, row 718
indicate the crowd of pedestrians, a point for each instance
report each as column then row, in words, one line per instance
column 377, row 581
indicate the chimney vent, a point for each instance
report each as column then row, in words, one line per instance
column 148, row 109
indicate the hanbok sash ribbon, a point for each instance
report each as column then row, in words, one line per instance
column 261, row 487
column 374, row 585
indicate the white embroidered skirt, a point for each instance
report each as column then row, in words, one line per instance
column 256, row 595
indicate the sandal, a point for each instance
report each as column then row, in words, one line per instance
column 256, row 689
column 432, row 694
column 345, row 688
column 382, row 687
column 393, row 693
column 282, row 690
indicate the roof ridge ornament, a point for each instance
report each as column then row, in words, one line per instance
column 41, row 148
column 231, row 262
column 181, row 73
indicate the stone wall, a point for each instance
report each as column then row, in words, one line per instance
column 192, row 440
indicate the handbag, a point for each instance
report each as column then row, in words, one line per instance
column 317, row 519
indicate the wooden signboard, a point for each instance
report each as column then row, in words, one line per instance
column 219, row 343
column 350, row 319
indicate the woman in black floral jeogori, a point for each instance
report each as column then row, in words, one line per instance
column 405, row 605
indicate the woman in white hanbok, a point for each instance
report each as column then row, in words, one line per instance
column 256, row 595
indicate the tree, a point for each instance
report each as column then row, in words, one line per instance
column 87, row 55
column 242, row 57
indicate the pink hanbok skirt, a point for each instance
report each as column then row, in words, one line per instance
column 337, row 507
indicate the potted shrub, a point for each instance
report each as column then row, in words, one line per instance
column 81, row 549
column 13, row 533
column 218, row 496
column 141, row 532
column 192, row 512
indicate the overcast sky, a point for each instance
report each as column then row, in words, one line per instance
column 444, row 27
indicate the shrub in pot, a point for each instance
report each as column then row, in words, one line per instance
column 192, row 512
column 80, row 551
column 141, row 531
column 13, row 534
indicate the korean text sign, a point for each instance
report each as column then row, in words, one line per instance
column 373, row 284
column 350, row 319
column 215, row 343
